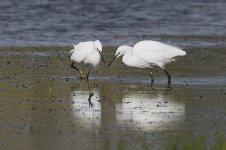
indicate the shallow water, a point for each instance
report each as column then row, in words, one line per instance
column 47, row 22
column 45, row 106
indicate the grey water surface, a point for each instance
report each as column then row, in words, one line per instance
column 114, row 22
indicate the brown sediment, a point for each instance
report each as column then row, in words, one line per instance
column 43, row 105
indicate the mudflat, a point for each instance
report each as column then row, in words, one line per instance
column 44, row 105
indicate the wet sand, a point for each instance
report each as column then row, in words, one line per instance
column 44, row 105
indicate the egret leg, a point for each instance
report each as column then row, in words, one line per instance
column 152, row 77
column 80, row 72
column 168, row 75
column 87, row 76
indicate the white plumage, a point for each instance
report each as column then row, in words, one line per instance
column 86, row 52
column 146, row 54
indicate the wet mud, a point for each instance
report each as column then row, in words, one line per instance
column 44, row 104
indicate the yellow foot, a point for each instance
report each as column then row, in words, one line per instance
column 82, row 76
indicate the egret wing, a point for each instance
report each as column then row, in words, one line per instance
column 155, row 52
column 79, row 54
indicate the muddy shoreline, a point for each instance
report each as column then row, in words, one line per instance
column 44, row 105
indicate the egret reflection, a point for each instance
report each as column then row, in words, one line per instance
column 148, row 112
column 137, row 110
column 85, row 115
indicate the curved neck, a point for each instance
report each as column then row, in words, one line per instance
column 127, row 50
column 127, row 57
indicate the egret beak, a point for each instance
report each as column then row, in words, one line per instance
column 102, row 57
column 112, row 61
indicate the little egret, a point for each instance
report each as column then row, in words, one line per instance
column 87, row 52
column 147, row 54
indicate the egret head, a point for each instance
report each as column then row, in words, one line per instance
column 98, row 45
column 122, row 50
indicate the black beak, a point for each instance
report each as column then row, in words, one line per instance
column 112, row 61
column 102, row 57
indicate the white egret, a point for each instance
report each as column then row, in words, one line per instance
column 86, row 52
column 147, row 54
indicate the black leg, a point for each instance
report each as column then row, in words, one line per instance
column 72, row 66
column 87, row 76
column 168, row 75
column 152, row 77
column 151, row 74
column 80, row 72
